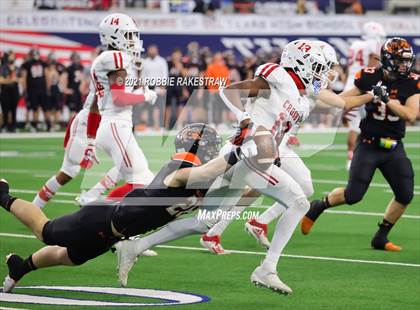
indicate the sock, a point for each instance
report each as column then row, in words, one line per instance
column 47, row 192
column 220, row 226
column 119, row 193
column 271, row 213
column 5, row 199
column 172, row 231
column 19, row 267
column 384, row 229
column 327, row 202
column 284, row 230
column 106, row 183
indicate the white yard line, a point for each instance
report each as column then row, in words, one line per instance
column 336, row 259
column 322, row 258
column 67, row 194
column 340, row 182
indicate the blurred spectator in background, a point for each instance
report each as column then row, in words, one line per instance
column 45, row 4
column 196, row 103
column 301, row 7
column 34, row 86
column 216, row 70
column 348, row 7
column 193, row 54
column 154, row 67
column 204, row 7
column 70, row 84
column 55, row 97
column 248, row 68
column 9, row 91
column 86, row 82
column 244, row 6
column 174, row 97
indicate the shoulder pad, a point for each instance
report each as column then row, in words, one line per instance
column 112, row 61
column 270, row 72
column 366, row 78
column 414, row 78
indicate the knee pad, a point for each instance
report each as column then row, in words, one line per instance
column 202, row 226
column 351, row 198
column 308, row 188
column 267, row 151
column 71, row 169
column 404, row 198
column 302, row 204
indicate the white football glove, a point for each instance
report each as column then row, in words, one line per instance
column 150, row 96
column 248, row 149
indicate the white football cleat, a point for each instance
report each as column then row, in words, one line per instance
column 84, row 199
column 127, row 257
column 149, row 253
column 348, row 165
column 270, row 280
column 212, row 243
column 8, row 284
column 258, row 231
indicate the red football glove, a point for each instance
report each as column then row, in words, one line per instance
column 90, row 156
column 243, row 134
column 293, row 140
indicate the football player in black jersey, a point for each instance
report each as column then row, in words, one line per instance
column 396, row 95
column 34, row 81
column 70, row 82
column 76, row 238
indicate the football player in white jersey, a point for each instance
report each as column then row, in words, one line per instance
column 291, row 163
column 277, row 104
column 112, row 72
column 362, row 53
column 75, row 143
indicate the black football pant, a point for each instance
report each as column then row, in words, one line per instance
column 394, row 165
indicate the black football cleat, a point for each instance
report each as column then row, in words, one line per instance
column 315, row 210
column 14, row 263
column 4, row 187
column 382, row 243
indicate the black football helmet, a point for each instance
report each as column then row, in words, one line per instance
column 397, row 57
column 199, row 139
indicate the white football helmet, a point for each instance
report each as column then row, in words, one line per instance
column 120, row 32
column 307, row 60
column 373, row 31
column 331, row 58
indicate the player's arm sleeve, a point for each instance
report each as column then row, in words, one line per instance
column 362, row 81
column 120, row 97
column 116, row 65
column 94, row 118
column 212, row 169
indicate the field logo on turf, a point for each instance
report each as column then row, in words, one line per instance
column 157, row 297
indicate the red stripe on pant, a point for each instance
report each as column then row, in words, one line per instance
column 264, row 175
column 119, row 146
column 125, row 151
